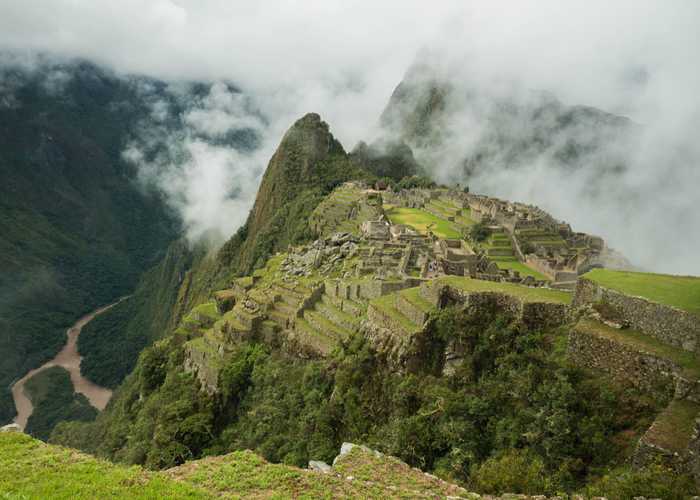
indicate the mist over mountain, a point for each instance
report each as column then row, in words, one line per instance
column 600, row 171
column 464, row 235
column 99, row 172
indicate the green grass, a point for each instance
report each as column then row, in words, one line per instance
column 523, row 292
column 464, row 220
column 639, row 341
column 521, row 268
column 208, row 309
column 387, row 304
column 419, row 220
column 682, row 292
column 414, row 297
column 674, row 427
column 30, row 469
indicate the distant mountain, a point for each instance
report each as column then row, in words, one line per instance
column 465, row 130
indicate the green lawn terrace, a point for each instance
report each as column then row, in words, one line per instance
column 682, row 292
column 454, row 210
column 525, row 293
column 499, row 249
column 535, row 237
column 446, row 220
column 30, row 468
column 683, row 363
column 422, row 221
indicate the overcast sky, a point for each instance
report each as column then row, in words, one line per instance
column 343, row 58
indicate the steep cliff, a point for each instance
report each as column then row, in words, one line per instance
column 307, row 165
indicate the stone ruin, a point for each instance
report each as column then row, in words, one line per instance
column 538, row 240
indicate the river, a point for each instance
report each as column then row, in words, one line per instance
column 70, row 359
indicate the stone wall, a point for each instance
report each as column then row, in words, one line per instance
column 540, row 265
column 372, row 289
column 415, row 314
column 694, row 453
column 620, row 362
column 668, row 324
column 544, row 315
column 310, row 300
column 531, row 314
column 379, row 318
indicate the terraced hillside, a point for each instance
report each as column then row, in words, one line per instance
column 372, row 325
column 682, row 292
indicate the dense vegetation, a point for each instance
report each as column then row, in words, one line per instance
column 515, row 416
column 111, row 342
column 75, row 230
column 391, row 159
column 51, row 393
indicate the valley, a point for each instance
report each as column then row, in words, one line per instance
column 349, row 251
column 68, row 358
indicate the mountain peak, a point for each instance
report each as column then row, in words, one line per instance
column 308, row 163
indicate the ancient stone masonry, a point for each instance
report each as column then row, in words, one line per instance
column 586, row 347
column 535, row 238
column 548, row 245
column 653, row 347
column 668, row 324
column 398, row 323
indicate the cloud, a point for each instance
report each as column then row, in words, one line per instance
column 343, row 58
column 188, row 149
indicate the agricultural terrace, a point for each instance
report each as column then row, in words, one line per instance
column 522, row 292
column 682, row 292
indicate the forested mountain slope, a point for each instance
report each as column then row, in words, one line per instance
column 341, row 339
column 76, row 231
column 468, row 129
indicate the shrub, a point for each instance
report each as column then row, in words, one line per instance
column 479, row 232
column 515, row 471
column 654, row 481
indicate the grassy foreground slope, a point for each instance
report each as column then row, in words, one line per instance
column 682, row 292
column 33, row 469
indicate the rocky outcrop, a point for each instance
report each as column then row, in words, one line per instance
column 307, row 161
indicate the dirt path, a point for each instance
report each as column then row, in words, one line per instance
column 69, row 359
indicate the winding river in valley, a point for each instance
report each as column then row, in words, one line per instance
column 70, row 359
